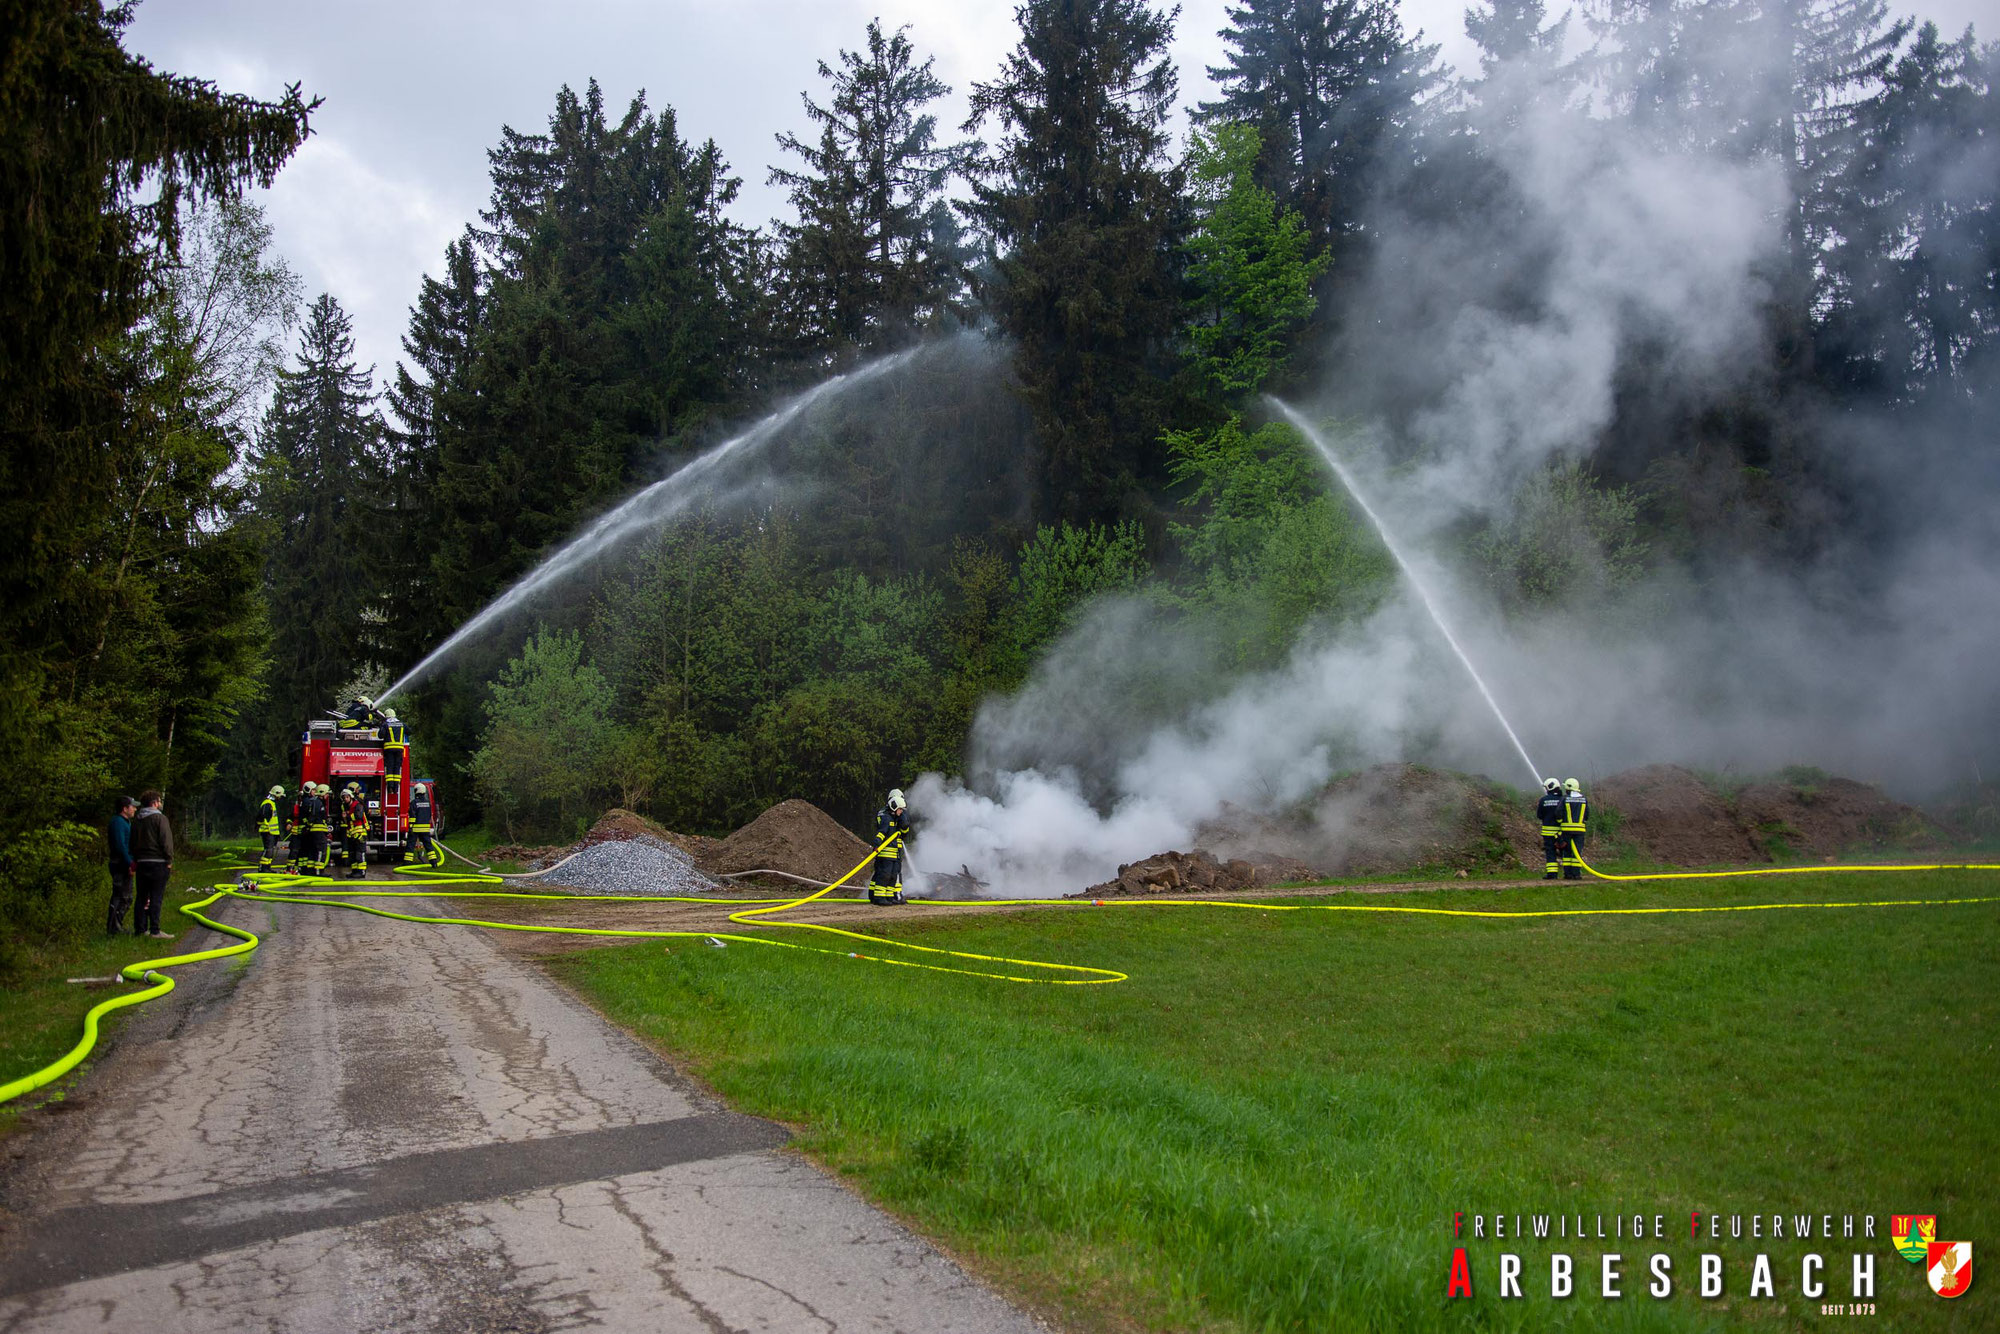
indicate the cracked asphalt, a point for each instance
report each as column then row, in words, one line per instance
column 374, row 1126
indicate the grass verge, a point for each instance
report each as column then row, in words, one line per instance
column 1271, row 1126
column 41, row 1017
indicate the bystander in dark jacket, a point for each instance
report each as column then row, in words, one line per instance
column 118, row 853
column 153, row 856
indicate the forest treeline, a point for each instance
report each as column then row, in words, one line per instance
column 223, row 523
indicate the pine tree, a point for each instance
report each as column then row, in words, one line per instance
column 1330, row 86
column 320, row 495
column 87, row 132
column 619, row 313
column 429, row 402
column 1520, row 58
column 1087, row 213
column 863, row 262
column 1916, row 263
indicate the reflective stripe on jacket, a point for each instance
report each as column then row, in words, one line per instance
column 1575, row 812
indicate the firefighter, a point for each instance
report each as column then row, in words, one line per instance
column 424, row 819
column 1575, row 825
column 892, row 826
column 1549, row 810
column 296, row 837
column 354, row 827
column 319, row 828
column 394, row 751
column 267, row 825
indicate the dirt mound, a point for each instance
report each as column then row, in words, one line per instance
column 1389, row 818
column 1671, row 816
column 794, row 836
column 1822, row 816
column 1196, row 872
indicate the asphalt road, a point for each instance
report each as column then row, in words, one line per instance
column 375, row 1126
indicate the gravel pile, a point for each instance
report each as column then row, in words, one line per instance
column 641, row 865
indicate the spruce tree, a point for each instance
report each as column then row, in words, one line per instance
column 1087, row 213
column 618, row 315
column 87, row 133
column 1920, row 246
column 863, row 262
column 1329, row 86
column 320, row 494
column 430, row 399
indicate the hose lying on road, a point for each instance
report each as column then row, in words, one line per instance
column 262, row 887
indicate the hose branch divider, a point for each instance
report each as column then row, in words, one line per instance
column 326, row 892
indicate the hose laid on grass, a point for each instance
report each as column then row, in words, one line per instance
column 330, row 893
column 148, row 971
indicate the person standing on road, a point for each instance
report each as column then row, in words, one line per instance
column 267, row 826
column 118, row 852
column 1575, row 825
column 892, row 826
column 1549, row 810
column 153, row 862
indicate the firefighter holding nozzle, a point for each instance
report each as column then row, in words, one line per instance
column 1575, row 825
column 892, row 826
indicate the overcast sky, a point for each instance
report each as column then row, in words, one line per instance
column 417, row 91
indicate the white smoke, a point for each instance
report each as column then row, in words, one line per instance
column 1625, row 241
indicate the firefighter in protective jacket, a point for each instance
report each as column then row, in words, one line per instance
column 296, row 836
column 395, row 749
column 267, row 826
column 892, row 826
column 354, row 829
column 1549, row 811
column 424, row 820
column 1575, row 824
column 319, row 829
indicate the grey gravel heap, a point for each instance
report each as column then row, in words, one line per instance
column 642, row 865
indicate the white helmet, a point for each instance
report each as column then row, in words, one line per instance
column 1570, row 784
column 277, row 790
column 896, row 802
column 1551, row 785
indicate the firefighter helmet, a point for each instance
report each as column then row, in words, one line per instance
column 389, row 715
column 1571, row 785
column 896, row 802
column 277, row 790
column 1551, row 785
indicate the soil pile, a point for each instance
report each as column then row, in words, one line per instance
column 1671, row 816
column 1387, row 819
column 1196, row 872
column 793, row 836
column 1822, row 816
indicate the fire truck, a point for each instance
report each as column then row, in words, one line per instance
column 353, row 745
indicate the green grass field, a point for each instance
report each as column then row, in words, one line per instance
column 42, row 1016
column 1272, row 1124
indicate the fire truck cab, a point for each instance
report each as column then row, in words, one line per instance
column 352, row 745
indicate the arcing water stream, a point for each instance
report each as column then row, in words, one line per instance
column 1340, row 471
column 644, row 511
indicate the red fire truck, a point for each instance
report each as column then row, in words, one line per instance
column 360, row 744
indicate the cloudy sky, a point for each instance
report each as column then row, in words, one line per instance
column 417, row 91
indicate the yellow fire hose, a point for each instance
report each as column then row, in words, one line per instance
column 261, row 887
